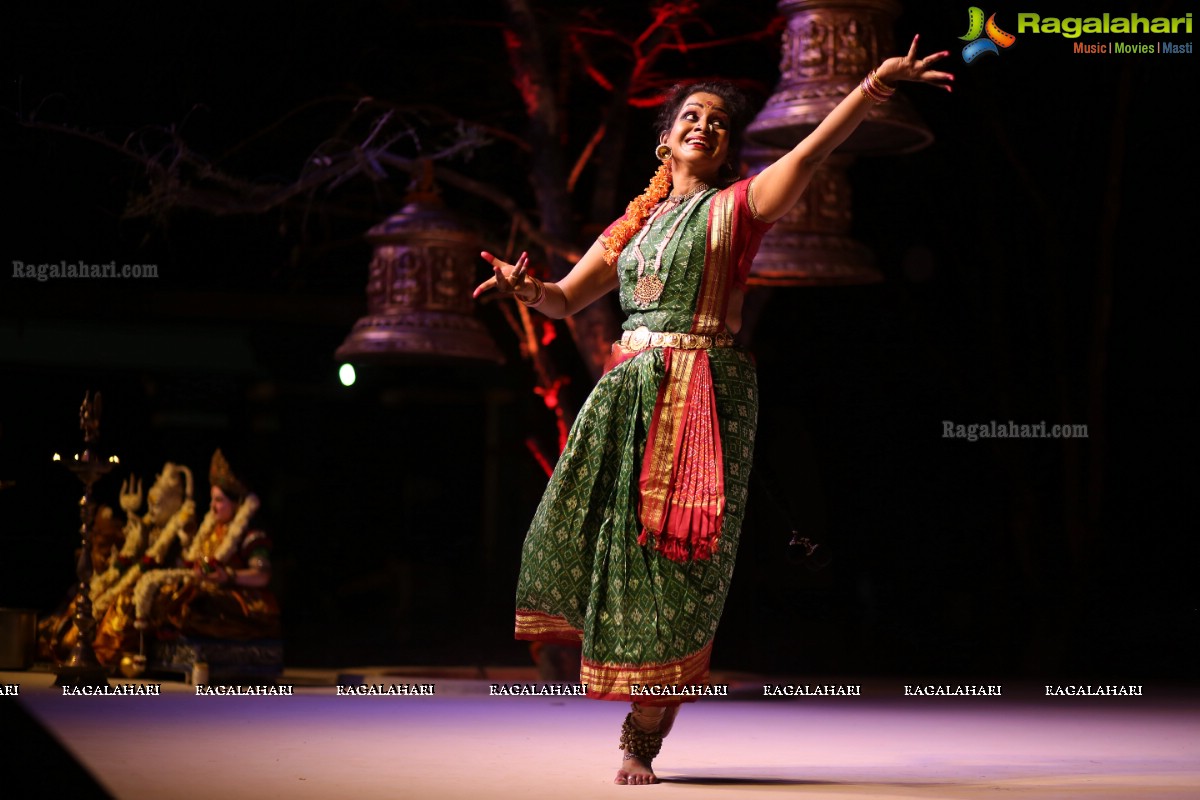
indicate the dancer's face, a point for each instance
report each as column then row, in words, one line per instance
column 700, row 136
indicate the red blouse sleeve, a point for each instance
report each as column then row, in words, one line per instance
column 748, row 231
column 608, row 231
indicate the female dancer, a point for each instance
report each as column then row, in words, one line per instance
column 632, row 547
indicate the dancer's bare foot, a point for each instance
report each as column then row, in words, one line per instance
column 634, row 772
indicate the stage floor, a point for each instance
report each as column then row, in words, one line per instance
column 463, row 743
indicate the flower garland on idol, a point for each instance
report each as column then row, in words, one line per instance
column 152, row 558
column 174, row 480
column 134, row 541
column 148, row 587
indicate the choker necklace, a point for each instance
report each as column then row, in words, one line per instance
column 679, row 198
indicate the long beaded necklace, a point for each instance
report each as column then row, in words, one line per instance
column 649, row 286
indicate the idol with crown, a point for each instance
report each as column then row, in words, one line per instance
column 219, row 590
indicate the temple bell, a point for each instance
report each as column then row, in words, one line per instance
column 419, row 305
column 828, row 47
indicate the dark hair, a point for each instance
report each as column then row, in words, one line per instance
column 736, row 103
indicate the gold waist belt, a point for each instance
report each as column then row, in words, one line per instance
column 643, row 338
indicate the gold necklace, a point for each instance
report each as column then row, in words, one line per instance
column 649, row 286
column 679, row 198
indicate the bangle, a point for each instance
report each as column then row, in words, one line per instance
column 875, row 90
column 538, row 296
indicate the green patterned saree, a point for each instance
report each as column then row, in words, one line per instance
column 632, row 548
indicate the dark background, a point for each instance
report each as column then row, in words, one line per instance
column 1058, row 186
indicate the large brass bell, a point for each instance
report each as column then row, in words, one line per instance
column 419, row 305
column 828, row 47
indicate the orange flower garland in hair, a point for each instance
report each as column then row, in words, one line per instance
column 636, row 214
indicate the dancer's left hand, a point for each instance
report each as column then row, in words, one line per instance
column 911, row 68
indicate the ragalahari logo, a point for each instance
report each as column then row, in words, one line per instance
column 976, row 27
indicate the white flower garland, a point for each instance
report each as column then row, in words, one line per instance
column 133, row 543
column 148, row 586
column 101, row 603
column 233, row 538
column 172, row 530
